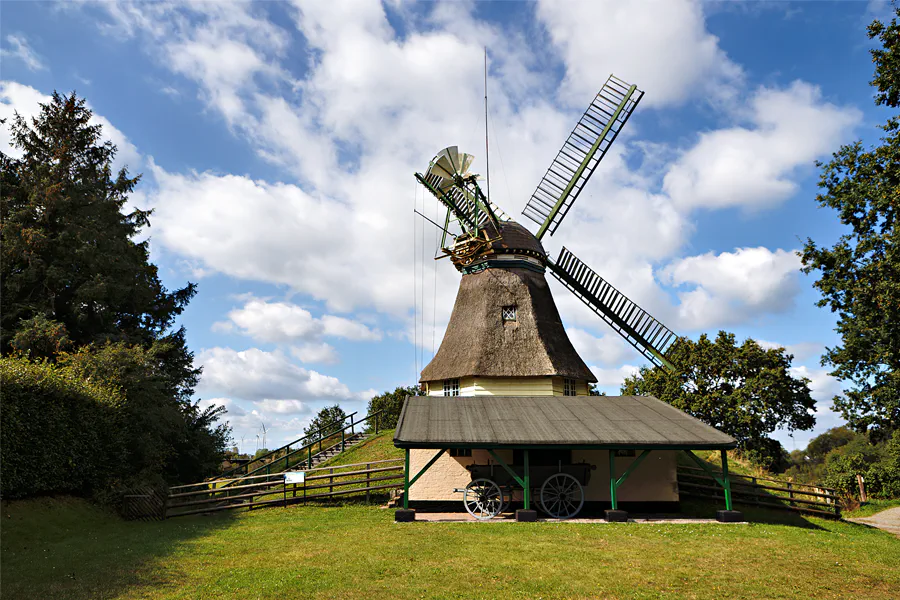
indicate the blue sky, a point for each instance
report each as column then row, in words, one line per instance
column 277, row 143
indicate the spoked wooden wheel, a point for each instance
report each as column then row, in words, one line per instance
column 562, row 496
column 483, row 499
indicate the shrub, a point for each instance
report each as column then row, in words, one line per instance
column 58, row 433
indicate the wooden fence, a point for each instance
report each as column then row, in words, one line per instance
column 747, row 489
column 255, row 491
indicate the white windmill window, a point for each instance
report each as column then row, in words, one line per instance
column 508, row 313
column 569, row 387
column 451, row 387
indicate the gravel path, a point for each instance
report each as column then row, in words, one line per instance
column 888, row 520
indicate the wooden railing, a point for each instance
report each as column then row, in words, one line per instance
column 253, row 491
column 308, row 440
column 747, row 489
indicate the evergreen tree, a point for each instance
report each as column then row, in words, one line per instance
column 859, row 277
column 69, row 253
column 79, row 289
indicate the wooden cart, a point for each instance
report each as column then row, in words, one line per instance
column 560, row 493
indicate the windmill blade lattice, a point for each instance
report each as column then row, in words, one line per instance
column 650, row 337
column 580, row 155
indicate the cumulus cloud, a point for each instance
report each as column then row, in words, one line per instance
column 315, row 353
column 661, row 45
column 732, row 287
column 613, row 377
column 18, row 48
column 801, row 350
column 285, row 322
column 755, row 166
column 257, row 375
column 283, row 407
column 608, row 349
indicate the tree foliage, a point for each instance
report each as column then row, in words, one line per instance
column 326, row 420
column 859, row 277
column 79, row 289
column 391, row 403
column 744, row 391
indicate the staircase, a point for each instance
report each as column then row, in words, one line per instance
column 328, row 453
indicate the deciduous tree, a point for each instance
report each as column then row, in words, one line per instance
column 859, row 277
column 746, row 391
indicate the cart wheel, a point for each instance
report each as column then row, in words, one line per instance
column 483, row 499
column 562, row 496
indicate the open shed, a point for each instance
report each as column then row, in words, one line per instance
column 525, row 441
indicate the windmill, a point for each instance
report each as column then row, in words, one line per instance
column 489, row 242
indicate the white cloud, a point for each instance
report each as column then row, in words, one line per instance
column 801, row 350
column 18, row 48
column 608, row 349
column 661, row 46
column 823, row 386
column 283, row 407
column 757, row 166
column 315, row 353
column 614, row 377
column 285, row 322
column 234, row 409
column 256, row 375
column 732, row 287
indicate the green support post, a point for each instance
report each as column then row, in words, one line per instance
column 612, row 479
column 526, row 496
column 726, row 483
column 406, row 482
column 309, row 455
column 343, row 443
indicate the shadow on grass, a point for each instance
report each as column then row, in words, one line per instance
column 754, row 514
column 69, row 548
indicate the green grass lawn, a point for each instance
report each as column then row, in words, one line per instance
column 69, row 549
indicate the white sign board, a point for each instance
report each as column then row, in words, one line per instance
column 295, row 477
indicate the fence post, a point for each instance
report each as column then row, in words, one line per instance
column 368, row 475
column 791, row 493
column 284, row 492
column 343, row 442
column 309, row 456
column 352, row 426
column 376, row 423
column 331, row 480
column 862, row 488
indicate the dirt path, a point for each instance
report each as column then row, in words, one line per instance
column 888, row 520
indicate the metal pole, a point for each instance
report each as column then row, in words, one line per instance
column 487, row 154
column 725, row 480
column 343, row 444
column 309, row 455
column 406, row 482
column 526, row 496
column 612, row 479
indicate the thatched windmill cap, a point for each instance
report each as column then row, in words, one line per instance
column 480, row 342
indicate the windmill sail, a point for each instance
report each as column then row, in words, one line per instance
column 580, row 155
column 650, row 337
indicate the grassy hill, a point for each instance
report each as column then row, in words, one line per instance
column 378, row 447
column 69, row 549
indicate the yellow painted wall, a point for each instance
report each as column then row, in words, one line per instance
column 653, row 481
column 508, row 386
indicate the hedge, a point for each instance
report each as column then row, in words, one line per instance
column 58, row 433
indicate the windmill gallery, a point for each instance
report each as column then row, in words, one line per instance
column 507, row 419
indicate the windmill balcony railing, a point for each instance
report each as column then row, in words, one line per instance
column 322, row 437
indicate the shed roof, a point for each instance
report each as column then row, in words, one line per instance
column 551, row 421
